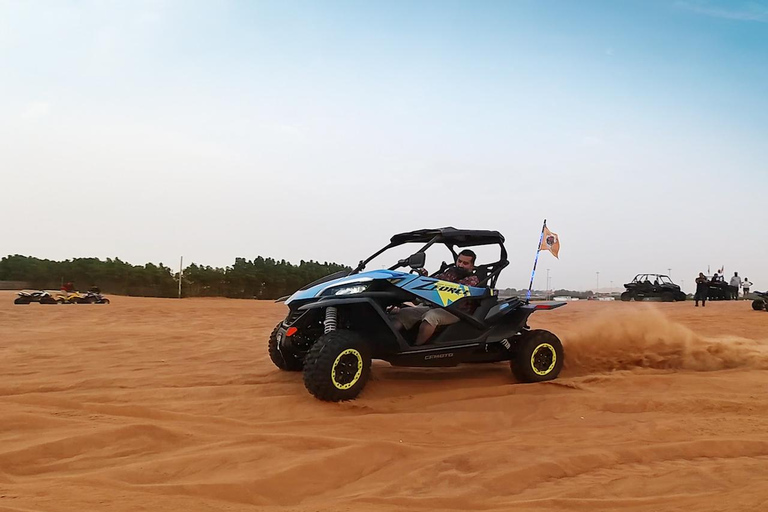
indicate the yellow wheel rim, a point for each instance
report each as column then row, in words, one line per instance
column 539, row 351
column 343, row 362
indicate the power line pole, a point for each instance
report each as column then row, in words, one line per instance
column 181, row 273
column 597, row 290
column 548, row 288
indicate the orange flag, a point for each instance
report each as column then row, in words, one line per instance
column 550, row 242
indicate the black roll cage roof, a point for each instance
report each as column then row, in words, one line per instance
column 653, row 275
column 451, row 238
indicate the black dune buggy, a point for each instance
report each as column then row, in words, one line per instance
column 721, row 289
column 338, row 324
column 762, row 302
column 650, row 286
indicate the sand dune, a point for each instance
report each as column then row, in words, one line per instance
column 155, row 404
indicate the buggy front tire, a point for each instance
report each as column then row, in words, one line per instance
column 337, row 366
column 539, row 358
column 283, row 359
column 626, row 296
column 758, row 304
column 21, row 301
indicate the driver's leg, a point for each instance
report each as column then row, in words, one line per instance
column 408, row 317
column 432, row 319
column 426, row 330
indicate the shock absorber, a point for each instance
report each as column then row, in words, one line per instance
column 330, row 319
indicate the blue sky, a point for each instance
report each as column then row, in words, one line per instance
column 300, row 130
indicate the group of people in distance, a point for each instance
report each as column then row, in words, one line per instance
column 736, row 282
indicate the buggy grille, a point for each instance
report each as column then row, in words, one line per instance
column 293, row 315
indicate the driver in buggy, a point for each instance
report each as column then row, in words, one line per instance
column 431, row 318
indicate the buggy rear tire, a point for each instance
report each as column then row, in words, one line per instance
column 539, row 358
column 21, row 301
column 283, row 359
column 337, row 366
column 758, row 304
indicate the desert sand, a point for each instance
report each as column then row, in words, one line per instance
column 161, row 404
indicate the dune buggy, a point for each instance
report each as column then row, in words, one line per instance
column 649, row 286
column 336, row 325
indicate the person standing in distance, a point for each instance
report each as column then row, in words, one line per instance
column 702, row 289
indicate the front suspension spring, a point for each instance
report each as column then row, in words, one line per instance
column 330, row 319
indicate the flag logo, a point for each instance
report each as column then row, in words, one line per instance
column 550, row 242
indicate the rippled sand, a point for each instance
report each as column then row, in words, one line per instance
column 159, row 404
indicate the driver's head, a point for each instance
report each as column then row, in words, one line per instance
column 466, row 260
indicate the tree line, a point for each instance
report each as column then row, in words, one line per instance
column 260, row 278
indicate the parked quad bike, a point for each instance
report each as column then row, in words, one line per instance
column 89, row 297
column 760, row 304
column 40, row 296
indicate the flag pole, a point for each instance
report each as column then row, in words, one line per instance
column 538, row 250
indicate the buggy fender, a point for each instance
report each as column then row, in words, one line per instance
column 514, row 318
column 324, row 303
column 544, row 306
column 392, row 335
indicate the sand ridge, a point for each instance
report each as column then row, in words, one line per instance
column 160, row 404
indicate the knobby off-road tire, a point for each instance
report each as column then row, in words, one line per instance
column 21, row 301
column 337, row 366
column 626, row 296
column 539, row 358
column 283, row 359
column 758, row 304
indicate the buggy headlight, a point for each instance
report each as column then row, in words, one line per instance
column 350, row 290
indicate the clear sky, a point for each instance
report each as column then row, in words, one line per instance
column 148, row 130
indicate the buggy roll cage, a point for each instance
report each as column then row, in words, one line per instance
column 451, row 238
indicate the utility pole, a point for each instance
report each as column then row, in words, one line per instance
column 548, row 289
column 669, row 272
column 181, row 273
column 598, row 283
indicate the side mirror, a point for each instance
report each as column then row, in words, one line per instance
column 416, row 261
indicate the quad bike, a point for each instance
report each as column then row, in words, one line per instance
column 89, row 297
column 29, row 296
column 336, row 325
column 761, row 304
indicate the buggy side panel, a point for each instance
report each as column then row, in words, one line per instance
column 441, row 293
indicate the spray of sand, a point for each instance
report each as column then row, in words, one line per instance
column 647, row 339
